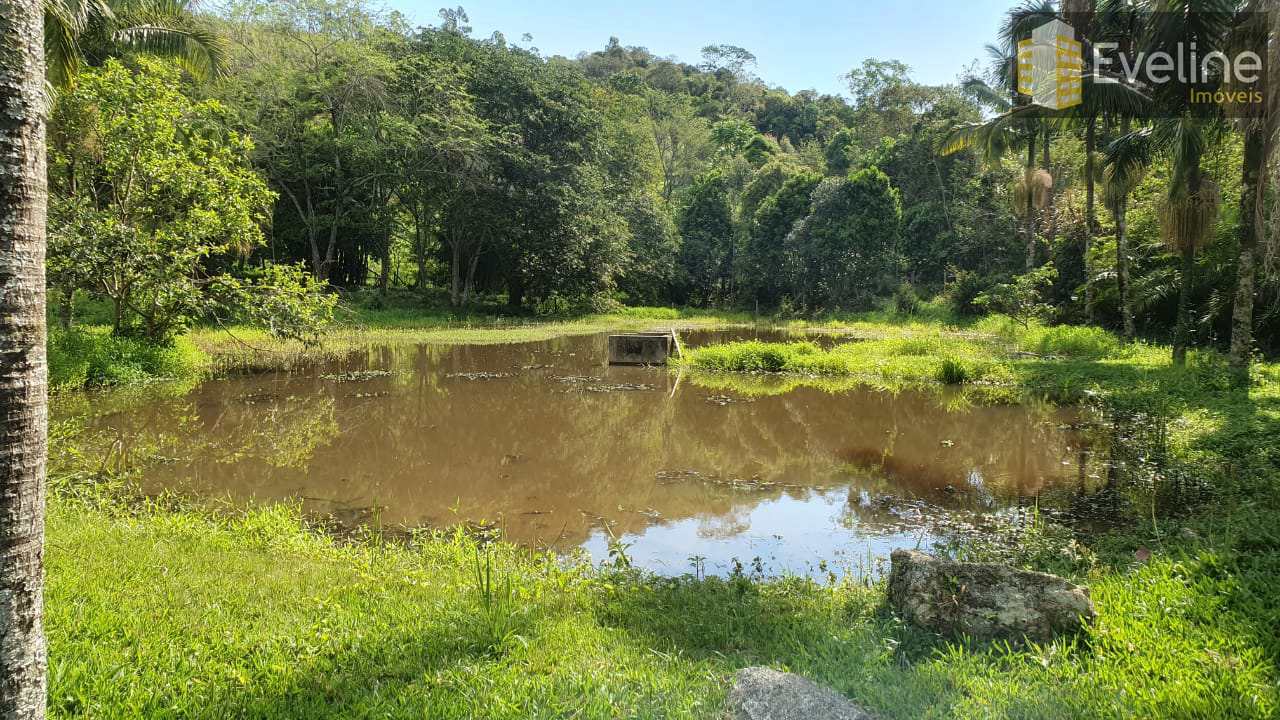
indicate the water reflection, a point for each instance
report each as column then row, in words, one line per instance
column 560, row 450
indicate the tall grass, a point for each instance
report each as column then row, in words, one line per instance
column 83, row 358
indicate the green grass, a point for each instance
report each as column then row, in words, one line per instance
column 157, row 609
column 161, row 612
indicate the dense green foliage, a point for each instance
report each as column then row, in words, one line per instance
column 477, row 170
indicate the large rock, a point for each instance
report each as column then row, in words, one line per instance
column 985, row 600
column 760, row 693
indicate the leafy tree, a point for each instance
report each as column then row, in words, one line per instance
column 845, row 250
column 764, row 253
column 841, row 151
column 706, row 231
column 154, row 191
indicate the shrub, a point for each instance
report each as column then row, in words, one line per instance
column 1022, row 298
column 905, row 299
column 964, row 290
column 650, row 313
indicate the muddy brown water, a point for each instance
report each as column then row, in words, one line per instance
column 548, row 443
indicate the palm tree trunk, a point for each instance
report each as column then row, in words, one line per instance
column 1250, row 224
column 1090, row 212
column 1030, row 217
column 1187, row 246
column 23, row 372
column 1050, row 216
column 1121, row 213
column 1182, row 331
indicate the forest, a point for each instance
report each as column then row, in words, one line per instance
column 328, row 147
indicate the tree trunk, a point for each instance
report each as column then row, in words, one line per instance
column 455, row 270
column 1182, row 331
column 419, row 248
column 1121, row 212
column 67, row 308
column 1090, row 212
column 1250, row 229
column 1050, row 214
column 384, row 258
column 1030, row 218
column 470, row 284
column 318, row 269
column 23, row 371
column 515, row 291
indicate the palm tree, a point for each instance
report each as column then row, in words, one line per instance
column 1191, row 205
column 87, row 32
column 1018, row 124
column 1257, row 29
column 1127, row 160
column 23, row 373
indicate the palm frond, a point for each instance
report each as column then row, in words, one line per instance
column 1126, row 161
column 64, row 22
column 982, row 93
column 167, row 28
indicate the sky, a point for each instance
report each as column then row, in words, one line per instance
column 799, row 44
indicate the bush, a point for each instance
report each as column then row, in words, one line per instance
column 649, row 313
column 87, row 358
column 905, row 299
column 556, row 305
column 962, row 292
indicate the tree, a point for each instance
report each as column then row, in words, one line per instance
column 1126, row 161
column 1258, row 30
column 765, row 250
column 683, row 140
column 154, row 191
column 1191, row 205
column 1022, row 298
column 306, row 87
column 846, row 249
column 706, row 231
column 23, row 369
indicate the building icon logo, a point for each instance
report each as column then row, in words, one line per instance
column 1050, row 66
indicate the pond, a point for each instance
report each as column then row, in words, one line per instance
column 552, row 447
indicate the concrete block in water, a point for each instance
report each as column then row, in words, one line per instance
column 641, row 348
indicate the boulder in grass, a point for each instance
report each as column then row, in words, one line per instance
column 761, row 693
column 985, row 601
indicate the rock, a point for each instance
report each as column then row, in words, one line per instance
column 760, row 693
column 985, row 600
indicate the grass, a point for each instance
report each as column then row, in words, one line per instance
column 163, row 609
column 162, row 612
column 92, row 357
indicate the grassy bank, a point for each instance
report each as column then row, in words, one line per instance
column 169, row 613
column 162, row 610
column 89, row 356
